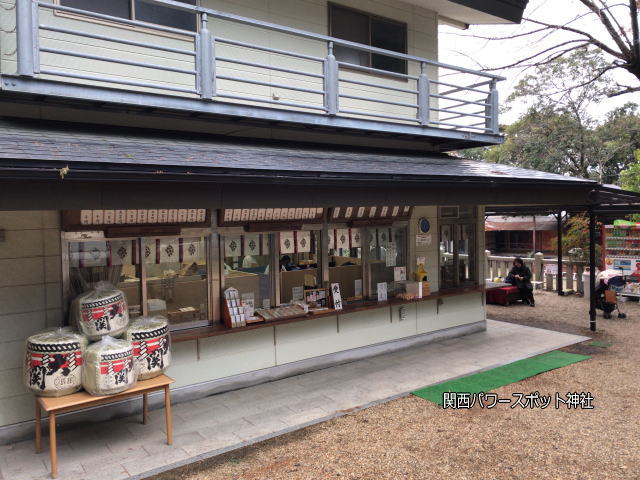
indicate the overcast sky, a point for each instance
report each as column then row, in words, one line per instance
column 480, row 53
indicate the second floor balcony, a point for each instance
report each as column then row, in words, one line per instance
column 244, row 68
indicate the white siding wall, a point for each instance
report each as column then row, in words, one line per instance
column 310, row 15
column 30, row 299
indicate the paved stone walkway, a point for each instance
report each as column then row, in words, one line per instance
column 124, row 448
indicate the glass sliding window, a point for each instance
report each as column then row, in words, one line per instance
column 387, row 251
column 467, row 253
column 361, row 27
column 177, row 278
column 113, row 261
column 299, row 264
column 247, row 266
column 140, row 10
column 458, row 247
column 169, row 17
column 115, row 8
column 345, row 261
column 447, row 256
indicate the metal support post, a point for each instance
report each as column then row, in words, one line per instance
column 592, row 270
column 25, row 37
column 331, row 82
column 559, row 282
column 207, row 61
column 492, row 109
column 423, row 95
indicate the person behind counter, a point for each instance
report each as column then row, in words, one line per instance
column 286, row 264
column 520, row 276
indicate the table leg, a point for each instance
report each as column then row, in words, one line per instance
column 53, row 445
column 38, row 428
column 145, row 409
column 167, row 411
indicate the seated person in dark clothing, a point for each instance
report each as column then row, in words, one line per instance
column 287, row 264
column 520, row 276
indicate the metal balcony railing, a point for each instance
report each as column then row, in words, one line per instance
column 242, row 60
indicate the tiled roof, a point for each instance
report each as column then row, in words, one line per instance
column 29, row 143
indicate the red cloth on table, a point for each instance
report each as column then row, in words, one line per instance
column 500, row 296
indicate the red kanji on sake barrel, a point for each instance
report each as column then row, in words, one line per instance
column 151, row 345
column 53, row 362
column 101, row 311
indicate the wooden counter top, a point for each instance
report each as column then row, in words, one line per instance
column 220, row 329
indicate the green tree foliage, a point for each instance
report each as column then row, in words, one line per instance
column 557, row 133
column 576, row 236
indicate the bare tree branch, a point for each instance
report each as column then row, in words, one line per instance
column 604, row 19
column 591, row 38
column 624, row 92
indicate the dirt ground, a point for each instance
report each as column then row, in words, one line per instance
column 411, row 438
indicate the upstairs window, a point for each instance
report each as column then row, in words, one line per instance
column 360, row 27
column 140, row 10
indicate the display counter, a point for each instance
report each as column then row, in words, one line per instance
column 221, row 329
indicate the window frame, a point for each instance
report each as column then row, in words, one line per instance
column 136, row 28
column 331, row 6
column 459, row 219
column 213, row 267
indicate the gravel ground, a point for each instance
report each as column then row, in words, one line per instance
column 411, row 438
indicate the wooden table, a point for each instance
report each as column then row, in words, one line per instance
column 79, row 401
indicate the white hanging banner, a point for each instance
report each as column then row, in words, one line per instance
column 332, row 238
column 251, row 244
column 342, row 238
column 355, row 237
column 191, row 249
column 303, row 242
column 232, row 246
column 384, row 237
column 287, row 243
column 121, row 252
column 169, row 250
column 150, row 247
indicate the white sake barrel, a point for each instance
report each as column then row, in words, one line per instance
column 101, row 311
column 54, row 362
column 109, row 367
column 151, row 345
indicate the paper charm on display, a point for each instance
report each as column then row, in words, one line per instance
column 297, row 294
column 355, row 237
column 335, row 294
column 399, row 274
column 191, row 249
column 332, row 238
column 287, row 243
column 342, row 238
column 251, row 243
column 358, row 287
column 390, row 258
column 382, row 292
column 232, row 246
column 303, row 242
